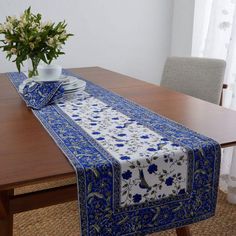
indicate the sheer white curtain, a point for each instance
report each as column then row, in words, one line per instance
column 219, row 41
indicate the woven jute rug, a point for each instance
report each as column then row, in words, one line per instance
column 63, row 219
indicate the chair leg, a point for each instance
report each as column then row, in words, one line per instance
column 221, row 98
column 6, row 217
column 183, row 231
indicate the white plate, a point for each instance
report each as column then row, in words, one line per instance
column 40, row 79
column 73, row 87
column 72, row 83
column 71, row 80
column 75, row 90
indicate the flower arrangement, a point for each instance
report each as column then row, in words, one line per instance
column 29, row 38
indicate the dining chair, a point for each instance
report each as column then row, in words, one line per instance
column 198, row 77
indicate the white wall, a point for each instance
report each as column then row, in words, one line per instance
column 182, row 29
column 129, row 36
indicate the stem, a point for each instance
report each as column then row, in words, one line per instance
column 33, row 71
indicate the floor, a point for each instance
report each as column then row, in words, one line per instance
column 62, row 220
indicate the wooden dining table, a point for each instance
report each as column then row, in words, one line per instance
column 28, row 155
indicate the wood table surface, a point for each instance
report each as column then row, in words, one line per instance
column 29, row 155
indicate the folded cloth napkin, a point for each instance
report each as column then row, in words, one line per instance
column 39, row 94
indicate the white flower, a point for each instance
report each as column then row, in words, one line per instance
column 8, row 26
column 63, row 35
column 22, row 35
column 24, row 21
column 11, row 19
column 31, row 45
column 22, row 16
column 48, row 23
column 59, row 45
column 50, row 42
column 30, row 30
column 21, row 25
column 8, row 40
column 2, row 28
column 13, row 50
column 56, row 38
column 33, row 25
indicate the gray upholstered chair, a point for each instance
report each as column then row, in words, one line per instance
column 198, row 77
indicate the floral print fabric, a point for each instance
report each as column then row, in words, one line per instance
column 152, row 167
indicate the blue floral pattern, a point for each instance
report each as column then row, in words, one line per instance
column 105, row 170
column 142, row 148
column 38, row 94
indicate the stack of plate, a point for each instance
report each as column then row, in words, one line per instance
column 71, row 84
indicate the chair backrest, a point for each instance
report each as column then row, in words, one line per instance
column 198, row 77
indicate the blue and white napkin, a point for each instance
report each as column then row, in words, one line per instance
column 39, row 94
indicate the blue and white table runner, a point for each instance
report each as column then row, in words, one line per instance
column 137, row 172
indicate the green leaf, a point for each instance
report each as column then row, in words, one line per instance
column 96, row 227
column 95, row 194
column 18, row 65
column 43, row 58
column 123, row 220
column 89, row 187
column 95, row 171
